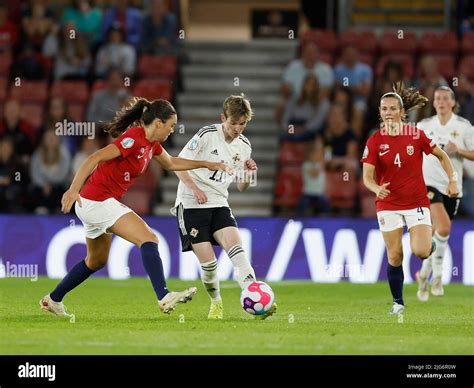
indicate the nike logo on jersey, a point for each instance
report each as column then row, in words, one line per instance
column 383, row 153
column 215, row 152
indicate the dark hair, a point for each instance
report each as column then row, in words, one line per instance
column 408, row 98
column 140, row 111
column 314, row 98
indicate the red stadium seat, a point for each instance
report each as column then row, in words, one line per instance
column 365, row 41
column 289, row 186
column 327, row 58
column 405, row 59
column 33, row 114
column 367, row 201
column 71, row 91
column 30, row 91
column 445, row 65
column 139, row 196
column 5, row 63
column 340, row 192
column 150, row 66
column 467, row 45
column 153, row 88
column 293, row 153
column 98, row 85
column 445, row 42
column 366, row 58
column 324, row 39
column 393, row 42
column 466, row 67
column 76, row 112
column 3, row 89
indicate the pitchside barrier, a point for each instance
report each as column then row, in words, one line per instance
column 322, row 250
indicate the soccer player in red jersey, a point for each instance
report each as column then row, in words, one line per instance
column 103, row 179
column 392, row 169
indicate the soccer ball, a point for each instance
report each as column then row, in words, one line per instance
column 257, row 298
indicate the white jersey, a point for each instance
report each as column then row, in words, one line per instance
column 209, row 144
column 458, row 131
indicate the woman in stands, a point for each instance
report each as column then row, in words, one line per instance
column 392, row 169
column 454, row 135
column 100, row 183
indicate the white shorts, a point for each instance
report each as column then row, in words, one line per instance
column 394, row 219
column 98, row 216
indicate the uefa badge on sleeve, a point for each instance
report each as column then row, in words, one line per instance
column 127, row 142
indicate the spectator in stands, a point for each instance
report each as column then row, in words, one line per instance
column 159, row 30
column 87, row 148
column 314, row 182
column 465, row 97
column 357, row 76
column 49, row 172
column 87, row 19
column 428, row 80
column 37, row 22
column 70, row 51
column 57, row 112
column 11, row 177
column 8, row 31
column 115, row 53
column 22, row 133
column 128, row 18
column 106, row 102
column 344, row 97
column 306, row 113
column 340, row 142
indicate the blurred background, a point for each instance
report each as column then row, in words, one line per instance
column 314, row 72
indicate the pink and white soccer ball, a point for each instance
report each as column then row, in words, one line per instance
column 257, row 298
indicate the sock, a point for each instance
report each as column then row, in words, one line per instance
column 425, row 270
column 210, row 280
column 438, row 255
column 154, row 267
column 76, row 276
column 244, row 270
column 395, row 280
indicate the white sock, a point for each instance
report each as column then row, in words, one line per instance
column 425, row 270
column 244, row 270
column 438, row 254
column 210, row 280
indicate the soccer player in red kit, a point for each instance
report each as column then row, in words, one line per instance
column 392, row 169
column 103, row 179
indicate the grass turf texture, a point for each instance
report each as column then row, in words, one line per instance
column 122, row 317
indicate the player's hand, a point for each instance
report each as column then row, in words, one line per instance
column 453, row 190
column 200, row 196
column 220, row 166
column 69, row 197
column 382, row 191
column 250, row 165
column 451, row 148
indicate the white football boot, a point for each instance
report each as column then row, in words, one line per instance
column 422, row 293
column 56, row 308
column 397, row 309
column 437, row 287
column 172, row 298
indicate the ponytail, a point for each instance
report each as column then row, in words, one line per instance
column 140, row 111
column 408, row 98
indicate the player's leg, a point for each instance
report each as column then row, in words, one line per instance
column 132, row 228
column 229, row 239
column 393, row 244
column 97, row 255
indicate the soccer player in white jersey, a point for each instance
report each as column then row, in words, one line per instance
column 203, row 213
column 455, row 135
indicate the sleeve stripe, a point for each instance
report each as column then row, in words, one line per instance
column 245, row 140
column 206, row 131
column 206, row 128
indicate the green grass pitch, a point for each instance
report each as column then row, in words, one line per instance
column 122, row 317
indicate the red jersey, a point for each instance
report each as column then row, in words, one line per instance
column 399, row 160
column 113, row 177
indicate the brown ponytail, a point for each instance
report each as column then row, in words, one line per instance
column 140, row 111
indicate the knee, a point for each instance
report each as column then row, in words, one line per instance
column 395, row 258
column 444, row 231
column 423, row 252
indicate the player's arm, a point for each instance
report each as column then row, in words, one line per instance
column 72, row 194
column 443, row 158
column 249, row 169
column 453, row 149
column 368, row 174
column 184, row 177
column 176, row 163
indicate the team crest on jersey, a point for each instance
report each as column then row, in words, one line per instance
column 127, row 142
column 410, row 150
column 236, row 158
column 193, row 144
column 194, row 232
column 382, row 221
